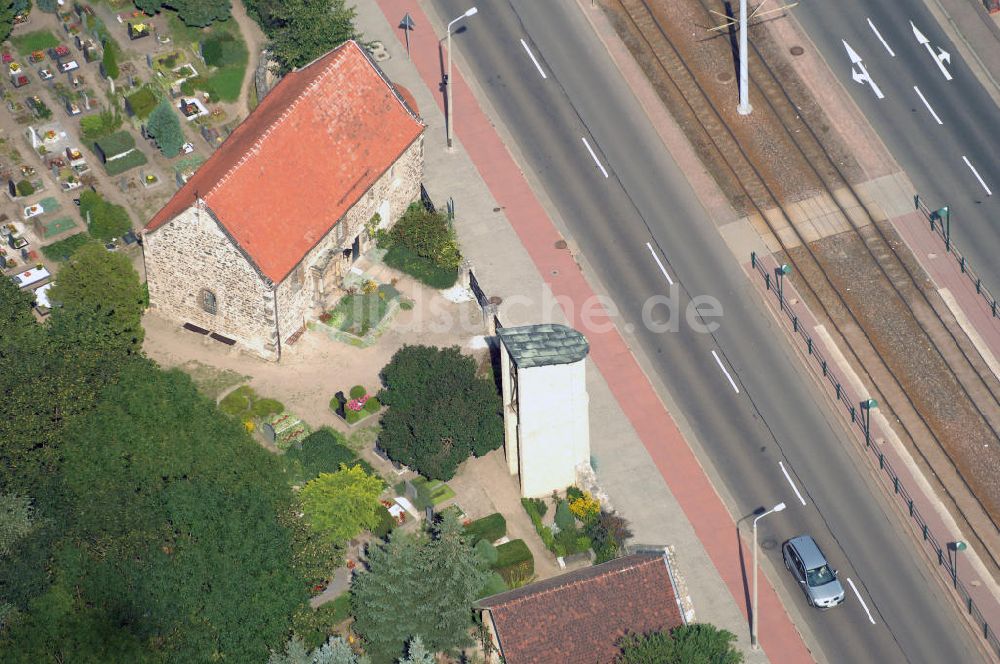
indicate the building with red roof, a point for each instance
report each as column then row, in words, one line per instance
column 582, row 615
column 257, row 241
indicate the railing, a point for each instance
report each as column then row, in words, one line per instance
column 940, row 221
column 861, row 418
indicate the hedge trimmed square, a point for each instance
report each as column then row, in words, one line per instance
column 514, row 561
column 489, row 528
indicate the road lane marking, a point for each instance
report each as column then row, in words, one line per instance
column 532, row 56
column 794, row 488
column 662, row 269
column 855, row 589
column 976, row 173
column 722, row 366
column 879, row 35
column 921, row 95
column 596, row 160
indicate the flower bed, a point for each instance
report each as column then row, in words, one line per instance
column 358, row 313
column 358, row 405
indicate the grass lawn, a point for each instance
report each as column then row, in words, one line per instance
column 358, row 314
column 226, row 83
column 439, row 491
column 39, row 40
column 223, row 83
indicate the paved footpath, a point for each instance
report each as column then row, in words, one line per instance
column 629, row 386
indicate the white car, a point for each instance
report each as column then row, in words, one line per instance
column 68, row 66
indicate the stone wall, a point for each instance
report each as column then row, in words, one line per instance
column 192, row 252
column 301, row 296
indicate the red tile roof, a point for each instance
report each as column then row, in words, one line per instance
column 302, row 159
column 579, row 616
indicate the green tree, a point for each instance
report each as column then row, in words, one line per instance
column 302, row 30
column 105, row 220
column 334, row 651
column 102, row 301
column 7, row 14
column 698, row 643
column 416, row 653
column 418, row 585
column 48, row 6
column 110, row 59
column 164, row 126
column 16, row 520
column 340, row 505
column 194, row 13
column 439, row 412
column 428, row 235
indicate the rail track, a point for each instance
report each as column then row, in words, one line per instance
column 976, row 385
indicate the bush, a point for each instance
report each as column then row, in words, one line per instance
column 264, row 407
column 105, row 123
column 573, row 493
column 63, row 249
column 564, row 517
column 386, row 523
column 323, row 451
column 237, row 402
column 352, row 416
column 141, row 102
column 372, row 405
column 489, row 528
column 514, row 561
column 223, row 49
column 358, row 391
column 428, row 235
column 400, row 258
column 486, row 551
column 585, row 508
column 495, row 585
column 25, row 188
column 548, row 539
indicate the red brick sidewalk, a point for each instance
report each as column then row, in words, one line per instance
column 673, row 458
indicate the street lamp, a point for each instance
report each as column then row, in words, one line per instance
column 744, row 107
column 781, row 272
column 447, row 84
column 956, row 547
column 753, row 617
column 866, row 408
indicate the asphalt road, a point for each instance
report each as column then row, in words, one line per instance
column 770, row 413
column 933, row 155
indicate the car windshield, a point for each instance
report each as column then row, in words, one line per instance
column 819, row 576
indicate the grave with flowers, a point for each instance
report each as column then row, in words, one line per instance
column 357, row 406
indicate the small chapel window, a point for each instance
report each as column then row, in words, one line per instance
column 207, row 300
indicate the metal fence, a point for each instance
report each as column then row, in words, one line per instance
column 940, row 221
column 860, row 415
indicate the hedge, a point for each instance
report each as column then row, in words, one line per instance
column 323, row 451
column 400, row 258
column 63, row 249
column 514, row 561
column 486, row 551
column 489, row 528
column 122, row 164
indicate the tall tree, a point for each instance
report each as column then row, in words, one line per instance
column 340, row 505
column 165, row 127
column 102, row 301
column 16, row 520
column 416, row 653
column 7, row 14
column 195, row 13
column 418, row 585
column 303, row 30
column 698, row 643
column 334, row 651
column 439, row 410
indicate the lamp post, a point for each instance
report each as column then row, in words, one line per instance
column 866, row 408
column 744, row 107
column 781, row 272
column 753, row 617
column 447, row 84
column 956, row 547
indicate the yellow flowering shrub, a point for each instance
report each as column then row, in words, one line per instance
column 249, row 425
column 585, row 508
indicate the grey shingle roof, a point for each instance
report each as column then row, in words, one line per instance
column 543, row 345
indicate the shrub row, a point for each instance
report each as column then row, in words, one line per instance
column 489, row 528
column 514, row 562
column 421, row 269
column 63, row 249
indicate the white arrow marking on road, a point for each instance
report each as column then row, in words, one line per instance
column 924, row 99
column 861, row 75
column 596, row 160
column 855, row 589
column 723, row 367
column 879, row 35
column 662, row 269
column 794, row 488
column 976, row 173
column 940, row 58
column 532, row 56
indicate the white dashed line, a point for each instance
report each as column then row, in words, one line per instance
column 721, row 366
column 794, row 488
column 657, row 259
column 976, row 173
column 921, row 95
column 879, row 35
column 596, row 160
column 532, row 56
column 865, row 606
